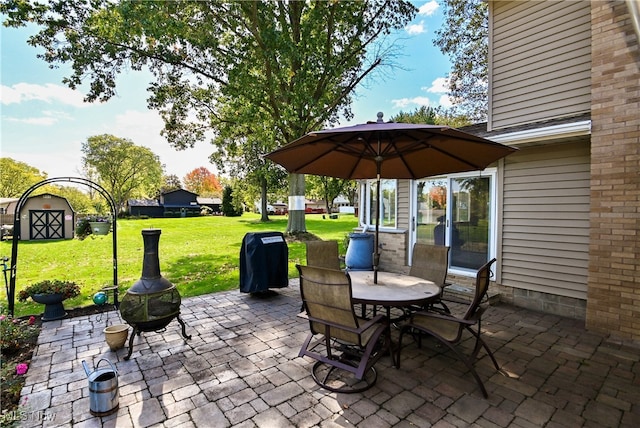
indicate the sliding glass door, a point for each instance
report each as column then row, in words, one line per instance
column 457, row 211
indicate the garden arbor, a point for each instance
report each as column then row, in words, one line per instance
column 11, row 292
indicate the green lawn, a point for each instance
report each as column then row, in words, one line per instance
column 199, row 255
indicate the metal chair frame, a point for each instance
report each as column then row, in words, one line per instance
column 342, row 340
column 431, row 262
column 448, row 329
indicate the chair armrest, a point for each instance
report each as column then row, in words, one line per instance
column 443, row 317
column 358, row 330
column 371, row 322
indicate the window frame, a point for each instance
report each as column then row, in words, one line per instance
column 365, row 204
column 492, row 174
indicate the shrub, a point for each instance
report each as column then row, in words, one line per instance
column 229, row 207
column 83, row 228
column 14, row 332
column 67, row 288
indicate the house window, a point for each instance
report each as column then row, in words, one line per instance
column 458, row 211
column 387, row 205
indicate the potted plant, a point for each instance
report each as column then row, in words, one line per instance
column 100, row 225
column 51, row 293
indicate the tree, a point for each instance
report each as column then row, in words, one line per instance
column 432, row 116
column 79, row 200
column 423, row 114
column 464, row 37
column 202, row 182
column 241, row 157
column 230, row 207
column 124, row 169
column 169, row 183
column 16, row 177
column 289, row 67
column 327, row 188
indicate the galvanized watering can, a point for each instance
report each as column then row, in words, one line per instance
column 103, row 389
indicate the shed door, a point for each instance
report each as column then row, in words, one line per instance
column 46, row 224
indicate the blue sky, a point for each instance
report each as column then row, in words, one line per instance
column 44, row 123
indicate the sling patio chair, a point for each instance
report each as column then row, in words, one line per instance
column 344, row 346
column 448, row 329
column 323, row 254
column 431, row 262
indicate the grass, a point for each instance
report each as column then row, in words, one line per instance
column 199, row 255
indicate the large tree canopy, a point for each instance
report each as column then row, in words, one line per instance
column 464, row 37
column 203, row 182
column 124, row 169
column 290, row 66
column 16, row 177
column 432, row 116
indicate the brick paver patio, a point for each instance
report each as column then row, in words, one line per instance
column 241, row 369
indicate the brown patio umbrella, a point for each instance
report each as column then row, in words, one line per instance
column 387, row 150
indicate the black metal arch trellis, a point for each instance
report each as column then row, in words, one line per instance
column 16, row 231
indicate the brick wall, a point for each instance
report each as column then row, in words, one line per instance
column 613, row 304
column 393, row 255
column 544, row 302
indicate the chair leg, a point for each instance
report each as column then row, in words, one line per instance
column 467, row 361
column 460, row 356
column 445, row 307
column 397, row 359
column 482, row 344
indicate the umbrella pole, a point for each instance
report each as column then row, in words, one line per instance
column 376, row 252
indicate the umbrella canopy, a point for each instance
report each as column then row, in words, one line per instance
column 394, row 150
column 387, row 150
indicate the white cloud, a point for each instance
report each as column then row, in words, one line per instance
column 438, row 86
column 429, row 8
column 50, row 118
column 407, row 102
column 445, row 101
column 416, row 28
column 38, row 121
column 49, row 93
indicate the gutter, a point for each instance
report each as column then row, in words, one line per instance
column 538, row 135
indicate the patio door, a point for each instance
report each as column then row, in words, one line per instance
column 458, row 211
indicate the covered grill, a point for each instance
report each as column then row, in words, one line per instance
column 153, row 301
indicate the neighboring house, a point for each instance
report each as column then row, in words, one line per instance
column 44, row 216
column 314, row 206
column 176, row 203
column 214, row 204
column 562, row 214
column 180, row 203
column 145, row 208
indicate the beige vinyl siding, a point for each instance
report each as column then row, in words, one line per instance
column 403, row 203
column 541, row 61
column 545, row 220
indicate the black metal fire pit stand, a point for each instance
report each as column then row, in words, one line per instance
column 152, row 302
column 137, row 331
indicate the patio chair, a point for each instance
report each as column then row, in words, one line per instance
column 323, row 254
column 344, row 346
column 448, row 329
column 431, row 263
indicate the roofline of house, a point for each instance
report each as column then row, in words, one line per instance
column 553, row 132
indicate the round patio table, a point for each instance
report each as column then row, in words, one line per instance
column 392, row 289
